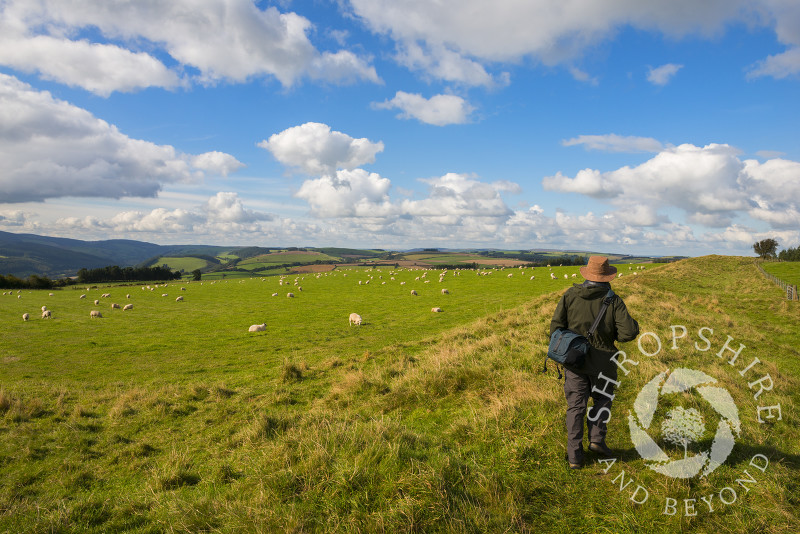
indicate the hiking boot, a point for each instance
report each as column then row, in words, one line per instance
column 601, row 448
column 575, row 466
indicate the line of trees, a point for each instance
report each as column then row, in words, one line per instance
column 790, row 254
column 114, row 273
column 34, row 281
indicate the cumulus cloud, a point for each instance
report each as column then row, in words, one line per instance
column 217, row 163
column 316, row 150
column 223, row 212
column 711, row 184
column 662, row 75
column 475, row 32
column 223, row 40
column 350, row 193
column 439, row 110
column 13, row 218
column 50, row 149
column 615, row 143
column 228, row 207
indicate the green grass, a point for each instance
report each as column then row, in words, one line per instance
column 788, row 271
column 266, row 260
column 172, row 417
column 188, row 263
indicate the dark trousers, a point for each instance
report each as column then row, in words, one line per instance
column 578, row 390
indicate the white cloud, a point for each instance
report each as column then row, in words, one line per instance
column 13, row 218
column 710, row 184
column 616, row 143
column 350, row 193
column 217, row 163
column 662, row 75
column 454, row 196
column 224, row 40
column 479, row 32
column 439, row 110
column 50, row 149
column 316, row 150
column 228, row 207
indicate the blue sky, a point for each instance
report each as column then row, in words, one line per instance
column 653, row 127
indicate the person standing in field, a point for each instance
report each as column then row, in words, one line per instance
column 596, row 378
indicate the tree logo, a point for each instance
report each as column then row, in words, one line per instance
column 670, row 399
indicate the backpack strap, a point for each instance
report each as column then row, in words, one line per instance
column 606, row 303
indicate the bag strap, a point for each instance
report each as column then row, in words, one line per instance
column 606, row 302
column 558, row 367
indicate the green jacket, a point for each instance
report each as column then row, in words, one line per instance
column 577, row 309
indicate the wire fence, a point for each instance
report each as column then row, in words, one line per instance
column 790, row 289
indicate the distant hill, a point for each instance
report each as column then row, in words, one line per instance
column 25, row 254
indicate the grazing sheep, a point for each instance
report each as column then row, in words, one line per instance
column 445, row 292
column 258, row 327
column 532, row 277
column 127, row 307
column 436, row 310
column 274, row 294
column 178, row 299
column 44, row 308
column 25, row 316
column 414, row 292
column 83, row 296
column 355, row 319
column 574, row 275
column 164, row 294
column 290, row 295
column 51, row 294
column 553, row 276
column 510, row 275
column 565, row 277
column 95, row 313
column 115, row 305
column 128, row 296
column 183, row 289
column 96, row 302
column 46, row 314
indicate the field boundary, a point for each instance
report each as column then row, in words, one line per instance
column 790, row 289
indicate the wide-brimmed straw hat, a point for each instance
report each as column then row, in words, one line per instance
column 598, row 270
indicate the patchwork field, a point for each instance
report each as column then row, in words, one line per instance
column 173, row 417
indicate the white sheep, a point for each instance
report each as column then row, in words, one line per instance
column 96, row 302
column 274, row 294
column 565, row 276
column 127, row 307
column 164, row 294
column 95, row 313
column 414, row 292
column 83, row 296
column 25, row 316
column 114, row 306
column 258, row 327
column 46, row 314
column 532, row 277
column 553, row 276
column 128, row 296
column 354, row 319
column 445, row 292
column 44, row 308
column 178, row 299
column 290, row 295
column 436, row 310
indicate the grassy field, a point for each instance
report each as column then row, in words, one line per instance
column 788, row 271
column 187, row 263
column 279, row 258
column 172, row 417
